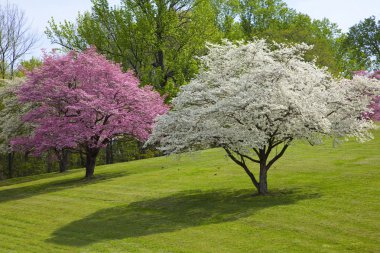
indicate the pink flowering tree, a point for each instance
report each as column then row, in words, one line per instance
column 375, row 104
column 82, row 101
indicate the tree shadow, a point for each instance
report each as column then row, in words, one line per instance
column 171, row 213
column 54, row 186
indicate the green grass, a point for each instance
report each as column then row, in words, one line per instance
column 323, row 199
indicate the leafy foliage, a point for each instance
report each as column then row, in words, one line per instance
column 27, row 66
column 363, row 42
column 274, row 20
column 156, row 39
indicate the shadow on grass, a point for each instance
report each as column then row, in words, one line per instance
column 171, row 213
column 33, row 178
column 53, row 186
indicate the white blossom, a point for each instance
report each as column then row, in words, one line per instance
column 256, row 96
column 11, row 124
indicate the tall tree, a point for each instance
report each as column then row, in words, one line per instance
column 158, row 39
column 83, row 101
column 227, row 18
column 274, row 20
column 363, row 42
column 15, row 38
column 250, row 101
column 258, row 16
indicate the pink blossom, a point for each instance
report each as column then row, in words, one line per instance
column 82, row 101
column 375, row 104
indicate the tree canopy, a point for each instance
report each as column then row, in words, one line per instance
column 157, row 39
column 161, row 40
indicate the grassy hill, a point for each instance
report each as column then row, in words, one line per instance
column 323, row 199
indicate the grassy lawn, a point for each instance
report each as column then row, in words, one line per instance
column 323, row 199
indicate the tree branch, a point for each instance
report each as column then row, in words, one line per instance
column 277, row 156
column 244, row 166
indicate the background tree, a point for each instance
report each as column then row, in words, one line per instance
column 274, row 20
column 363, row 43
column 27, row 66
column 227, row 18
column 83, row 102
column 158, row 39
column 15, row 38
column 255, row 103
column 11, row 124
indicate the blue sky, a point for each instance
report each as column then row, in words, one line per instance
column 343, row 12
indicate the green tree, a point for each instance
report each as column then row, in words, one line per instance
column 158, row 39
column 27, row 65
column 227, row 18
column 275, row 21
column 259, row 16
column 363, row 44
column 322, row 34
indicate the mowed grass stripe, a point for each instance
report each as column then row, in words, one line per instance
column 323, row 199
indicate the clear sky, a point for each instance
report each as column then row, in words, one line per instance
column 343, row 12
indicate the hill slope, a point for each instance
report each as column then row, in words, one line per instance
column 323, row 199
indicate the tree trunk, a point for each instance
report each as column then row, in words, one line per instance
column 10, row 159
column 109, row 152
column 263, row 186
column 91, row 155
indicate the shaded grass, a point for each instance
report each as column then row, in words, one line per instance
column 322, row 199
column 178, row 211
column 52, row 186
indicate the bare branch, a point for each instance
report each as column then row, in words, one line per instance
column 15, row 40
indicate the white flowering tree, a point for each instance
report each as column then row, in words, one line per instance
column 254, row 100
column 11, row 111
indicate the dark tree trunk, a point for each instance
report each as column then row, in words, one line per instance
column 10, row 159
column 63, row 158
column 91, row 155
column 263, row 185
column 109, row 152
column 262, row 160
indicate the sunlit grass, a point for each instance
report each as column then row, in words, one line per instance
column 323, row 199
